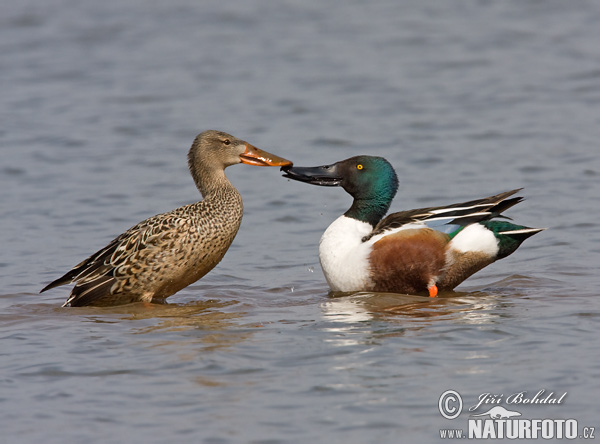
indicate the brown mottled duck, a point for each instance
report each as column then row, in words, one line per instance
column 165, row 253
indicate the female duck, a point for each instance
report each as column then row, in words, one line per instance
column 167, row 252
column 417, row 251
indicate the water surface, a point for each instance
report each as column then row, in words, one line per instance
column 100, row 102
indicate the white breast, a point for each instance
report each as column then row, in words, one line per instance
column 343, row 255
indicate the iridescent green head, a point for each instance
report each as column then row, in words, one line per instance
column 370, row 180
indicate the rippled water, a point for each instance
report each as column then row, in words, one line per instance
column 100, row 102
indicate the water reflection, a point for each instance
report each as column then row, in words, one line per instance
column 207, row 314
column 212, row 322
column 187, row 333
column 484, row 305
column 386, row 315
column 365, row 306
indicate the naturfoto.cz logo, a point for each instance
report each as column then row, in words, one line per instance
column 499, row 422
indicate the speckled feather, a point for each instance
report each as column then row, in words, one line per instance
column 159, row 256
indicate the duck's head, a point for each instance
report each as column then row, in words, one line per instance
column 218, row 150
column 370, row 180
column 363, row 177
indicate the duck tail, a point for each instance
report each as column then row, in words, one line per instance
column 510, row 236
column 66, row 279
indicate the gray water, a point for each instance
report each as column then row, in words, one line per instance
column 100, row 102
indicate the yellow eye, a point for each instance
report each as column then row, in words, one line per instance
column 359, row 167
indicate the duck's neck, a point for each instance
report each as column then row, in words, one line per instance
column 210, row 181
column 222, row 202
column 219, row 192
column 370, row 211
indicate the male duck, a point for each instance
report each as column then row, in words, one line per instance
column 417, row 251
column 167, row 252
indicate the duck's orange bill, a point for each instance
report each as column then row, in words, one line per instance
column 433, row 291
column 258, row 157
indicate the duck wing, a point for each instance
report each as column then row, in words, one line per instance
column 451, row 216
column 96, row 276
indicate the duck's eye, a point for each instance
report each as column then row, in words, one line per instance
column 226, row 141
column 359, row 167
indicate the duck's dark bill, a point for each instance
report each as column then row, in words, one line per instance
column 326, row 175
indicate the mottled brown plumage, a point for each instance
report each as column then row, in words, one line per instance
column 167, row 252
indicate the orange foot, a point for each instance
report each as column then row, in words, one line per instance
column 433, row 291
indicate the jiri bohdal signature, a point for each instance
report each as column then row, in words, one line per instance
column 519, row 398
